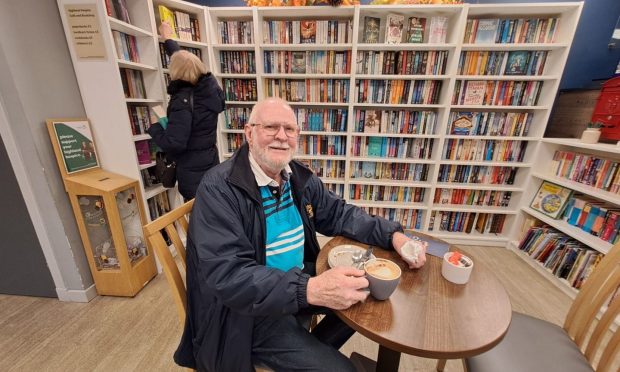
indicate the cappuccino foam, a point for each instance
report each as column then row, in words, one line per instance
column 382, row 270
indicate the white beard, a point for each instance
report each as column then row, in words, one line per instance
column 273, row 165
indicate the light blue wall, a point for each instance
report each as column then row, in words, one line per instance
column 589, row 59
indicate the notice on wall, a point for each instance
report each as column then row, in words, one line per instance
column 76, row 145
column 83, row 22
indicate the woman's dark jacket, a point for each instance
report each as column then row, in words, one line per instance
column 227, row 282
column 190, row 139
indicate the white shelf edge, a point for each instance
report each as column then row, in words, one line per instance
column 145, row 166
column 124, row 27
column 135, row 65
column 385, row 204
column 151, row 191
column 472, row 208
column 572, row 231
column 478, row 186
column 141, row 137
column 574, row 142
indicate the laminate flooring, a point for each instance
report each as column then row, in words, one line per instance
column 141, row 333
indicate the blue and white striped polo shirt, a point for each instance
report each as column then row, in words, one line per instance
column 285, row 231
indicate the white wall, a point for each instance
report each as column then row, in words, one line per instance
column 37, row 82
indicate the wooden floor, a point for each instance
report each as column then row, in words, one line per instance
column 140, row 334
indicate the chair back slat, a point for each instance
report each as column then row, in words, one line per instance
column 171, row 270
column 610, row 352
column 176, row 240
column 602, row 328
column 593, row 298
column 153, row 232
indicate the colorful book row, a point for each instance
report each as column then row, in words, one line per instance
column 309, row 90
column 473, row 123
column 401, row 194
column 307, row 62
column 408, row 218
column 466, row 222
column 237, row 62
column 240, row 89
column 587, row 169
column 516, row 62
column 402, row 62
column 489, row 198
column 389, row 171
column 496, row 93
column 516, row 30
column 308, row 32
column 395, row 121
column 483, row 150
column 476, row 174
column 399, row 148
column 320, row 119
column 398, row 91
column 565, row 257
column 235, row 32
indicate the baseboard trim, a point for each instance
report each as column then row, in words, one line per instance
column 71, row 295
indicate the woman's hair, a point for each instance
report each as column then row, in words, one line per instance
column 186, row 66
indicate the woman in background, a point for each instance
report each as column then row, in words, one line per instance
column 188, row 133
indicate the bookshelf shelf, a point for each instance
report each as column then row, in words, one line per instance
column 473, row 208
column 405, row 46
column 384, row 182
column 507, row 78
column 382, row 204
column 143, row 100
column 458, row 238
column 478, row 186
column 572, row 231
column 141, row 137
column 118, row 25
column 234, row 47
column 573, row 142
column 135, row 65
column 488, row 163
column 292, row 47
column 146, row 166
column 151, row 191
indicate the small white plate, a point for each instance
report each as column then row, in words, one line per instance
column 342, row 255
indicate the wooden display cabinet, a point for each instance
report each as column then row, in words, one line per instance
column 108, row 209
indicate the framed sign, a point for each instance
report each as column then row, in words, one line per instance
column 73, row 144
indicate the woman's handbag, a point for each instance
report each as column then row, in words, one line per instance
column 166, row 170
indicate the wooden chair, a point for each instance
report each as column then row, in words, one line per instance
column 581, row 344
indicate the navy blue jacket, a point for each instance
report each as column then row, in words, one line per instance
column 227, row 282
column 190, row 139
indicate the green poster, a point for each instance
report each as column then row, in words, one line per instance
column 76, row 145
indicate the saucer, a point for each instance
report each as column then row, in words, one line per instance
column 342, row 255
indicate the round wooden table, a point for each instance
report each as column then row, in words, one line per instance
column 428, row 316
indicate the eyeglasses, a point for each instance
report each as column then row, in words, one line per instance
column 272, row 129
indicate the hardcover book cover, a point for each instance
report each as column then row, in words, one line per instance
column 307, row 31
column 372, row 121
column 551, row 199
column 371, row 29
column 517, row 62
column 166, row 15
column 438, row 30
column 415, row 32
column 474, row 92
column 299, row 62
column 394, row 28
column 462, row 123
column 487, row 31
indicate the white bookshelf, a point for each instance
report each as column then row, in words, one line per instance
column 457, row 17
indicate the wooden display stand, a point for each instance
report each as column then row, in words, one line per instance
column 108, row 209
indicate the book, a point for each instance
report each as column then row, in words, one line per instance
column 462, row 123
column 307, row 31
column 374, row 146
column 159, row 111
column 166, row 15
column 372, row 121
column 486, row 31
column 298, row 65
column 474, row 92
column 368, row 169
column 394, row 28
column 551, row 199
column 371, row 29
column 516, row 63
column 415, row 31
column 437, row 30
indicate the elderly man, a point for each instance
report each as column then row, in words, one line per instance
column 251, row 254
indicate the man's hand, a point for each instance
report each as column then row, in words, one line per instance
column 165, row 30
column 399, row 240
column 337, row 288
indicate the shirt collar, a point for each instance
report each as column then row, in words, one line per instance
column 263, row 179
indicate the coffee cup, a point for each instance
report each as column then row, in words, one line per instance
column 383, row 277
